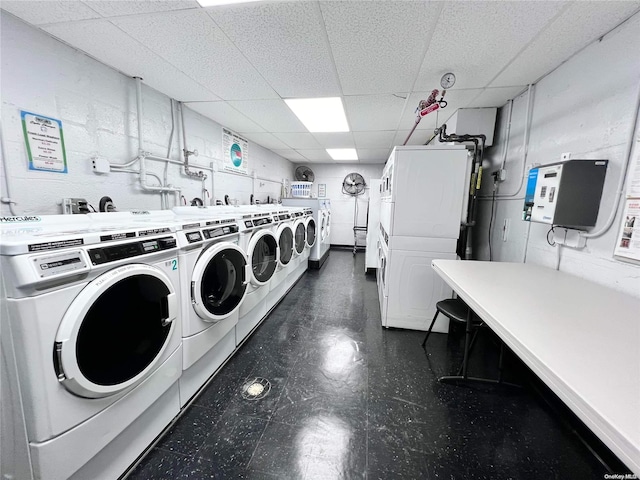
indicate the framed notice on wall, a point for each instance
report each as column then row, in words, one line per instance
column 235, row 152
column 322, row 190
column 45, row 142
column 628, row 242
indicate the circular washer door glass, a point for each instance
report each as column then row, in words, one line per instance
column 311, row 232
column 285, row 242
column 263, row 258
column 123, row 332
column 222, row 288
column 300, row 237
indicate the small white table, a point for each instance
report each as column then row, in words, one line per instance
column 580, row 338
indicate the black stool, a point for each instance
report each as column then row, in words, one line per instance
column 455, row 310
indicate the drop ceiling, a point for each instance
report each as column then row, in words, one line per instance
column 235, row 64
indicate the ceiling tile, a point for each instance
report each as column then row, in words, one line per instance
column 475, row 40
column 225, row 115
column 374, row 112
column 579, row 25
column 193, row 43
column 299, row 140
column 286, row 43
column 378, row 46
column 267, row 140
column 111, row 46
column 273, row 115
column 316, row 155
column 291, row 154
column 45, row 12
column 373, row 155
column 335, row 140
column 111, row 8
column 496, row 97
column 455, row 99
column 379, row 139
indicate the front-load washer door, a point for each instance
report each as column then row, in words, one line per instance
column 263, row 253
column 219, row 281
column 311, row 232
column 300, row 235
column 285, row 244
column 115, row 331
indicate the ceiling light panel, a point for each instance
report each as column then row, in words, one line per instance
column 320, row 114
column 343, row 154
column 215, row 3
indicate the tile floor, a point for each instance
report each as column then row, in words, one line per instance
column 351, row 400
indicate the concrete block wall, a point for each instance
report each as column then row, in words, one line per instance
column 342, row 205
column 586, row 107
column 97, row 107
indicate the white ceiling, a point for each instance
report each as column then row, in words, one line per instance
column 235, row 64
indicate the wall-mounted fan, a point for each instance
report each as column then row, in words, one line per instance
column 304, row 174
column 353, row 184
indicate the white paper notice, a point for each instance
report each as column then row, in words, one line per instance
column 45, row 142
column 633, row 188
column 628, row 243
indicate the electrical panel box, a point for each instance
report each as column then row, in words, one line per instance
column 566, row 193
column 474, row 121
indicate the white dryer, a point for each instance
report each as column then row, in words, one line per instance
column 259, row 242
column 94, row 318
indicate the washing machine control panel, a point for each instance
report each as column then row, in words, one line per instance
column 50, row 265
column 219, row 232
column 114, row 253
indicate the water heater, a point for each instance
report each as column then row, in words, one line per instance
column 566, row 193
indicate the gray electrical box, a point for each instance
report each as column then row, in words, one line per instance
column 566, row 193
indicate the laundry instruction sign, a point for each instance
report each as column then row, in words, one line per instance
column 235, row 151
column 45, row 142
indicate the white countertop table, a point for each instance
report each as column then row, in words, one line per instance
column 580, row 338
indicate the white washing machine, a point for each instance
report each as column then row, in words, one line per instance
column 318, row 208
column 215, row 276
column 285, row 238
column 300, row 246
column 259, row 242
column 94, row 318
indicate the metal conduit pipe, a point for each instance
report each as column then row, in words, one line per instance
column 623, row 172
column 6, row 199
column 186, row 153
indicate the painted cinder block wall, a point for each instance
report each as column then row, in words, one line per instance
column 97, row 106
column 342, row 205
column 586, row 107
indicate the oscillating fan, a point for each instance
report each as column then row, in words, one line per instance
column 304, row 174
column 353, row 184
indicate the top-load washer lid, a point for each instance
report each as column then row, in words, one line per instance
column 299, row 235
column 219, row 281
column 115, row 331
column 311, row 231
column 285, row 244
column 263, row 253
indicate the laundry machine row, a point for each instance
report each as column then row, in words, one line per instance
column 119, row 319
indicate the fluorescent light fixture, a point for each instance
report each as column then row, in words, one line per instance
column 215, row 3
column 343, row 153
column 320, row 114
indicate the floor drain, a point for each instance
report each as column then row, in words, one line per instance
column 256, row 389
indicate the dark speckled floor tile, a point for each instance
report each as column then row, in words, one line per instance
column 350, row 399
column 159, row 465
column 232, row 442
column 190, row 431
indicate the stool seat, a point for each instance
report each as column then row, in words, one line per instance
column 454, row 308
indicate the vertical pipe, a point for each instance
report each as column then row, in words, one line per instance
column 143, row 166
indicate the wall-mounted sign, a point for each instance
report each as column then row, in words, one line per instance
column 235, row 151
column 45, row 142
column 322, row 190
column 628, row 242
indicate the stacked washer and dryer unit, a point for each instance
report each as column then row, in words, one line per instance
column 421, row 210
